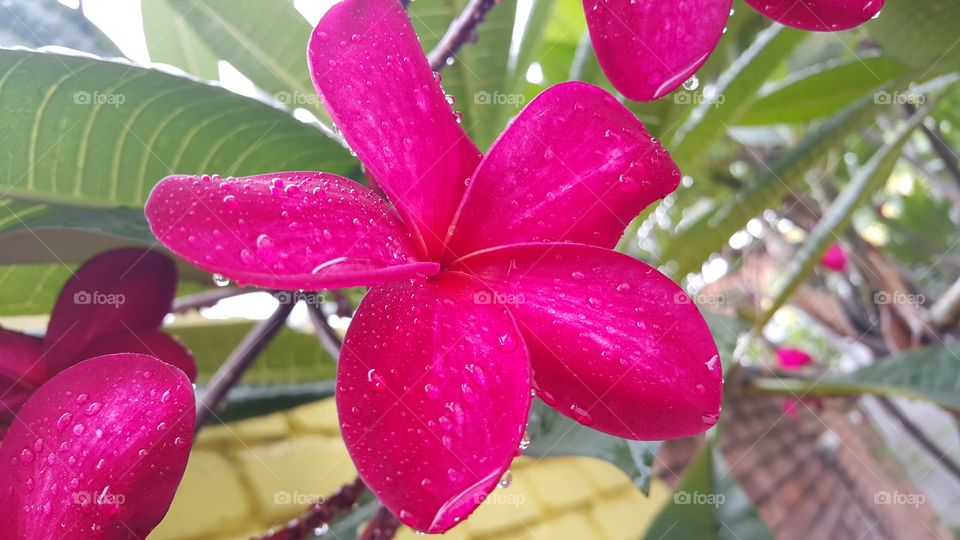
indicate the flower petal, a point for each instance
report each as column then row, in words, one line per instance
column 433, row 391
column 98, row 451
column 614, row 344
column 120, row 291
column 21, row 371
column 647, row 48
column 292, row 230
column 149, row 342
column 575, row 165
column 819, row 15
column 374, row 79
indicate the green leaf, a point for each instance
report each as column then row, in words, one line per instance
column 920, row 34
column 480, row 71
column 694, row 245
column 31, row 289
column 821, row 90
column 552, row 434
column 90, row 132
column 292, row 356
column 36, row 233
column 708, row 504
column 171, row 40
column 270, row 50
column 867, row 181
column 38, row 23
column 735, row 90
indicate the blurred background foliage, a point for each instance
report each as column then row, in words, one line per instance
column 789, row 142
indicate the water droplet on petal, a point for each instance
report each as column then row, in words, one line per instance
column 220, row 280
column 375, row 380
column 506, row 480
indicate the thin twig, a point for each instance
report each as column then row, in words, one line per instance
column 328, row 337
column 945, row 312
column 461, row 30
column 319, row 514
column 383, row 526
column 204, row 299
column 940, row 146
column 239, row 360
column 922, row 439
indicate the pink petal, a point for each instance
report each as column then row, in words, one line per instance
column 793, row 359
column 819, row 15
column 648, row 48
column 614, row 344
column 371, row 73
column 148, row 342
column 433, row 391
column 21, row 371
column 292, row 230
column 119, row 291
column 575, row 165
column 98, row 451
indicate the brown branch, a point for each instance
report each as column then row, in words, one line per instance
column 328, row 337
column 383, row 526
column 461, row 30
column 319, row 514
column 239, row 360
column 941, row 457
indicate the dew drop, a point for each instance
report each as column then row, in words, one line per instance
column 94, row 408
column 506, row 480
column 26, row 456
column 220, row 280
column 375, row 380
column 64, row 421
column 525, row 441
column 692, row 83
column 507, row 342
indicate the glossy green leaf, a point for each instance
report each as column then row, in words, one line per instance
column 91, row 132
column 734, row 91
column 552, row 434
column 31, row 289
column 921, row 34
column 692, row 246
column 171, row 40
column 708, row 504
column 821, row 90
column 867, row 181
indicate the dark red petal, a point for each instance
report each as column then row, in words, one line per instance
column 290, row 230
column 369, row 69
column 433, row 391
column 575, row 165
column 117, row 292
column 819, row 15
column 97, row 451
column 149, row 342
column 648, row 48
column 614, row 344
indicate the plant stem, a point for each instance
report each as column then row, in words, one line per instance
column 922, row 439
column 460, row 31
column 319, row 514
column 383, row 526
column 772, row 386
column 945, row 312
column 239, row 360
column 328, row 337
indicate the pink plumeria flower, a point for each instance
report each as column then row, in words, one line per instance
column 792, row 359
column 648, row 48
column 491, row 275
column 834, row 258
column 94, row 445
